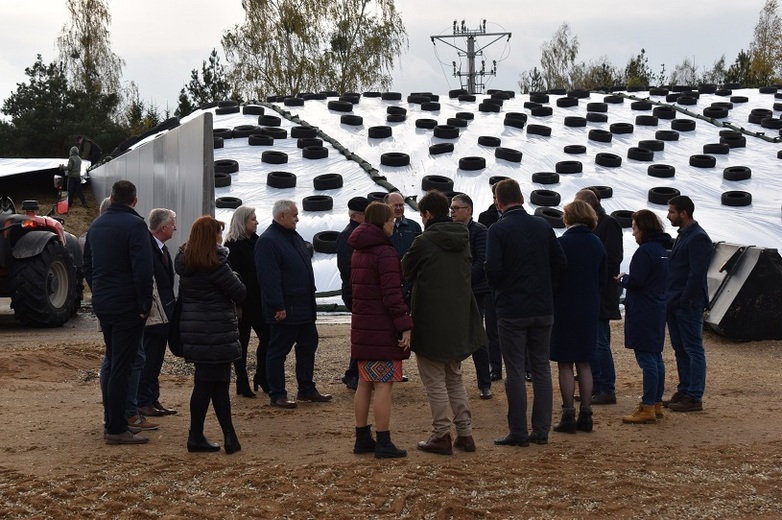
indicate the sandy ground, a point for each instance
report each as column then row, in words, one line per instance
column 724, row 462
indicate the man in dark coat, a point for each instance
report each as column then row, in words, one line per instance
column 609, row 232
column 488, row 218
column 288, row 290
column 162, row 224
column 118, row 268
column 461, row 211
column 686, row 297
column 89, row 149
column 523, row 256
column 448, row 325
column 405, row 230
column 356, row 207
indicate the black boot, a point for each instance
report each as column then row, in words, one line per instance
column 364, row 441
column 243, row 388
column 385, row 449
column 567, row 424
column 259, row 381
column 232, row 443
column 584, row 422
column 196, row 442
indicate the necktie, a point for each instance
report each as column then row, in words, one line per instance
column 166, row 256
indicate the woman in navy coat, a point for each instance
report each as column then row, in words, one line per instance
column 645, row 311
column 576, row 313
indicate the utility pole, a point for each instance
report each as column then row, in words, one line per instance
column 475, row 84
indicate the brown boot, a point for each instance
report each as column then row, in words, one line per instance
column 658, row 410
column 644, row 414
column 440, row 446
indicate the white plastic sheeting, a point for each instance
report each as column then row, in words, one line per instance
column 12, row 167
column 757, row 224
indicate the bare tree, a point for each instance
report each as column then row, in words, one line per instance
column 558, row 57
column 685, row 73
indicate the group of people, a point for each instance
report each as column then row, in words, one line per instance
column 455, row 289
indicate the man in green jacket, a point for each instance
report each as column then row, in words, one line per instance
column 448, row 325
column 73, row 169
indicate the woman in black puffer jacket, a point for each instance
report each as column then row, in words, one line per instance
column 209, row 291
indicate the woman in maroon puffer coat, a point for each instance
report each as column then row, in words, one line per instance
column 380, row 326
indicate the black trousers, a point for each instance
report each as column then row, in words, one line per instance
column 74, row 190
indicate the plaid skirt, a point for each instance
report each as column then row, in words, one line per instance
column 380, row 371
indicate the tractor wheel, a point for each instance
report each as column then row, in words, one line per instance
column 43, row 287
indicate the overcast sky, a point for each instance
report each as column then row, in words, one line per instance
column 162, row 41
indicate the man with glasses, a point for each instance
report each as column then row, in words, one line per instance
column 405, row 230
column 461, row 212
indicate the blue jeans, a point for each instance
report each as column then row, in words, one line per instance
column 603, row 373
column 653, row 370
column 685, row 326
column 519, row 337
column 281, row 340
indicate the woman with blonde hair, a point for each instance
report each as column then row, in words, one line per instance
column 379, row 329
column 209, row 291
column 240, row 241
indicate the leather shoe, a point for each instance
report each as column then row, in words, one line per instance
column 486, row 393
column 441, row 446
column 125, row 438
column 464, row 443
column 283, row 402
column 150, row 411
column 511, row 440
column 534, row 438
column 315, row 397
column 166, row 411
column 496, row 376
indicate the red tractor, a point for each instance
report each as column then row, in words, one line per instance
column 40, row 265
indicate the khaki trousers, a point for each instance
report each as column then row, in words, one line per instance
column 444, row 388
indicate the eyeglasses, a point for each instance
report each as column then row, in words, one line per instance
column 454, row 208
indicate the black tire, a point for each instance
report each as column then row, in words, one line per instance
column 325, row 241
column 222, row 180
column 779, row 154
column 472, row 163
column 458, row 122
column 394, row 159
column 396, row 110
column 659, row 91
column 666, row 135
column 377, row 196
column 544, row 198
column 703, row 161
column 391, row 96
column 664, row 112
column 539, row 130
column 396, row 118
column 736, row 198
column 221, row 111
column 683, row 125
column 252, row 110
column 226, row 166
column 596, row 117
column 351, row 120
column 269, row 120
column 601, row 136
column 228, row 103
column 467, row 97
column 734, row 141
column 315, row 152
column 228, row 202
column 551, row 215
column 575, row 121
column 574, row 149
column 646, row 120
column 218, row 143
column 736, row 173
column 379, row 132
column 488, row 107
column 578, row 93
column 446, row 132
column 771, row 122
column 467, row 116
column 655, row 145
column 739, row 99
column 621, row 128
column 274, row 157
column 597, row 107
column 489, row 140
column 640, row 105
column 304, row 132
column 245, row 130
column 317, row 203
column 275, row 133
column 340, row 106
column 436, row 182
column 44, row 288
column 613, row 99
column 608, row 160
column 637, row 153
column 516, row 115
column 293, row 102
column 687, row 100
column 605, row 192
column 662, row 171
column 281, row 180
column 425, row 123
column 260, row 140
column 537, row 97
column 437, row 149
column 567, row 102
column 541, row 111
column 328, row 181
column 225, row 133
column 304, row 142
column 569, row 167
column 455, row 93
column 716, row 148
column 624, row 217
column 545, row 178
column 770, row 89
column 508, row 154
column 514, row 122
column 662, row 194
column 715, row 112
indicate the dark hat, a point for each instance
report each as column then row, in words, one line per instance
column 358, row 204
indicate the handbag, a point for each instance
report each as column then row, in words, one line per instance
column 174, row 335
column 157, row 313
